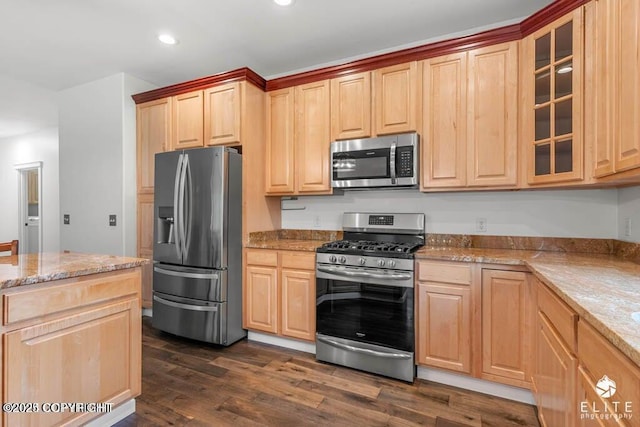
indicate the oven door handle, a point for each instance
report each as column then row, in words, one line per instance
column 342, row 272
column 354, row 349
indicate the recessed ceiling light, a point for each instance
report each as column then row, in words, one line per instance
column 167, row 39
column 283, row 2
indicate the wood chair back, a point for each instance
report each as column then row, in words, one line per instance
column 10, row 246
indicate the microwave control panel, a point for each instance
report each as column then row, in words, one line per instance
column 404, row 162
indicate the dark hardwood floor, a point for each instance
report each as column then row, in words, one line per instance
column 186, row 383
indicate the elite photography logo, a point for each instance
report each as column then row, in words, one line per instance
column 606, row 387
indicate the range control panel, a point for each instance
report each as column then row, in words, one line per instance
column 380, row 219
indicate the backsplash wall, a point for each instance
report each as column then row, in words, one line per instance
column 629, row 210
column 551, row 213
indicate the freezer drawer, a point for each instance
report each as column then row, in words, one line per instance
column 188, row 282
column 198, row 320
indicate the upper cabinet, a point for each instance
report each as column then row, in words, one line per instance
column 551, row 87
column 222, row 114
column 351, row 106
column 188, row 120
column 154, row 136
column 298, row 138
column 612, row 85
column 395, row 98
column 469, row 118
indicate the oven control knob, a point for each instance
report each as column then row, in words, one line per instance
column 381, row 262
column 342, row 259
column 392, row 263
column 332, row 258
column 362, row 261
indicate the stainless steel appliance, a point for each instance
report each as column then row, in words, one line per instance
column 197, row 252
column 385, row 161
column 365, row 294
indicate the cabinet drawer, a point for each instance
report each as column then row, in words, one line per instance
column 29, row 304
column 599, row 357
column 297, row 260
column 262, row 257
column 559, row 314
column 458, row 273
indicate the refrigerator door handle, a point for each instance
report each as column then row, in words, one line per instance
column 176, row 210
column 188, row 188
column 181, row 210
column 185, row 306
column 186, row 274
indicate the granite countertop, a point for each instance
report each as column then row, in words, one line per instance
column 27, row 269
column 602, row 289
column 288, row 244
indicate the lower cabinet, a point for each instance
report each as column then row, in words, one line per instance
column 280, row 293
column 507, row 315
column 77, row 340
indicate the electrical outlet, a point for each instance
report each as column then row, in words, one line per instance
column 66, row 219
column 481, row 225
column 316, row 221
column 112, row 220
column 627, row 227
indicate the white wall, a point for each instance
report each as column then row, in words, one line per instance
column 629, row 207
column 552, row 213
column 97, row 165
column 41, row 146
column 25, row 108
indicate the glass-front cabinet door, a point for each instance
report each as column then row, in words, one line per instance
column 552, row 96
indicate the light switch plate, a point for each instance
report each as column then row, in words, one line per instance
column 66, row 218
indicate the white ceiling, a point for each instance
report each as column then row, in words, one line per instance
column 57, row 44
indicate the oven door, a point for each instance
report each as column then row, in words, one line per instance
column 371, row 306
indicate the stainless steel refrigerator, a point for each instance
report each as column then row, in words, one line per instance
column 197, row 252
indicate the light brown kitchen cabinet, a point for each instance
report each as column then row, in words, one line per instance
column 298, row 138
column 507, row 327
column 279, row 293
column 444, row 313
column 351, row 106
column 222, row 114
column 555, row 366
column 395, row 100
column 188, row 120
column 469, row 118
column 153, row 120
column 146, row 222
column 75, row 340
column 612, row 89
column 551, row 84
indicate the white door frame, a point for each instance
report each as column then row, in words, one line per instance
column 22, row 202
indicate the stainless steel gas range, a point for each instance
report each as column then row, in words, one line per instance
column 365, row 294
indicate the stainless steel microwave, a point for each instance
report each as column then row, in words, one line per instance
column 385, row 161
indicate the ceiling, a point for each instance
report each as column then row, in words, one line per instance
column 60, row 44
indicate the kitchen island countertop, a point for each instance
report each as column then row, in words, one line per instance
column 27, row 269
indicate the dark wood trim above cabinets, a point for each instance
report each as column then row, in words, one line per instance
column 231, row 76
column 545, row 16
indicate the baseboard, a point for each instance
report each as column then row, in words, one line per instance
column 291, row 343
column 475, row 384
column 118, row 413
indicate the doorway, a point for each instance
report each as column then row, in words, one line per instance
column 30, row 207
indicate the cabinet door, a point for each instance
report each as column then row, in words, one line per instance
column 312, row 138
column 627, row 148
column 506, row 326
column 298, row 317
column 187, row 120
column 351, row 106
column 153, row 121
column 40, row 358
column 492, row 119
column 261, row 299
column 554, row 377
column 444, row 326
column 280, row 149
column 395, row 100
column 552, row 85
column 146, row 222
column 444, row 118
column 222, row 114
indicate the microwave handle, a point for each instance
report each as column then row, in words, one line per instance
column 392, row 159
